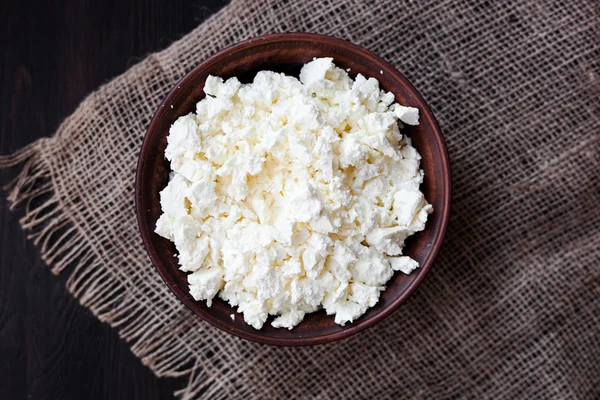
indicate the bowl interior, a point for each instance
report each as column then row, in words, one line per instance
column 287, row 53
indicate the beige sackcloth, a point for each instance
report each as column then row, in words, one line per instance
column 511, row 308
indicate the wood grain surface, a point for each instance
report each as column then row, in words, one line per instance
column 54, row 54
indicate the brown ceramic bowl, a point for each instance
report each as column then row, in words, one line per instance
column 287, row 53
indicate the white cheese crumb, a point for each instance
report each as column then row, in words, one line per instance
column 291, row 195
column 404, row 264
column 408, row 115
column 232, row 316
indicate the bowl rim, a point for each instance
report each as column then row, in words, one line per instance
column 359, row 325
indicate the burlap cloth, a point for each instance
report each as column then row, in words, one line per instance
column 511, row 308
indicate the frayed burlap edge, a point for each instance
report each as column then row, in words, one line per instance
column 61, row 247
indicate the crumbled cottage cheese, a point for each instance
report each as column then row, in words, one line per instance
column 288, row 196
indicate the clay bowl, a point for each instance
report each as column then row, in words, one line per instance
column 287, row 53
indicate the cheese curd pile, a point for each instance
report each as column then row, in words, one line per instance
column 287, row 196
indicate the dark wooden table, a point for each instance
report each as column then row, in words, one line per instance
column 54, row 54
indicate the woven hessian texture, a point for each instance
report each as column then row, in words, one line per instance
column 511, row 308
